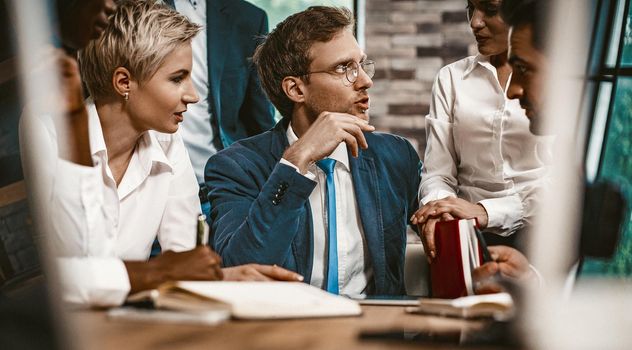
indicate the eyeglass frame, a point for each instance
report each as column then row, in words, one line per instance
column 348, row 68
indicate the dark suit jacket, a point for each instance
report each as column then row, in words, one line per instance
column 237, row 102
column 251, row 225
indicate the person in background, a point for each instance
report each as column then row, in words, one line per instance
column 321, row 193
column 481, row 159
column 232, row 105
column 142, row 185
column 529, row 63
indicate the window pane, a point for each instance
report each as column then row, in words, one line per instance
column 616, row 166
column 626, row 55
column 616, row 34
column 278, row 10
column 597, row 131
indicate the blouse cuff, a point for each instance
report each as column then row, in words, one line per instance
column 503, row 214
column 436, row 195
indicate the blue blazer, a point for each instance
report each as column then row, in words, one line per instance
column 261, row 213
column 236, row 100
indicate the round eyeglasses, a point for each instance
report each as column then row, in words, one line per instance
column 351, row 70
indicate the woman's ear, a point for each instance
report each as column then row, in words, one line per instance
column 294, row 88
column 122, row 81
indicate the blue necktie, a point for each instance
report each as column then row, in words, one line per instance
column 327, row 165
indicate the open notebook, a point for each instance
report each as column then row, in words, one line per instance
column 250, row 300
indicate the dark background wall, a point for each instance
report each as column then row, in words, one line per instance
column 18, row 254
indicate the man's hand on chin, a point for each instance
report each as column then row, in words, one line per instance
column 324, row 135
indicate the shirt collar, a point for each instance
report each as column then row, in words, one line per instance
column 148, row 148
column 478, row 60
column 339, row 154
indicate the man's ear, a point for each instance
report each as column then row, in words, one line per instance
column 294, row 88
column 121, row 81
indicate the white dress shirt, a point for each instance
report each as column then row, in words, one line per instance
column 479, row 146
column 354, row 265
column 99, row 225
column 196, row 129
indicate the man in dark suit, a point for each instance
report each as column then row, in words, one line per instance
column 321, row 193
column 233, row 105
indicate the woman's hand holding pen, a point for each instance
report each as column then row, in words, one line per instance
column 198, row 264
column 444, row 209
column 248, row 272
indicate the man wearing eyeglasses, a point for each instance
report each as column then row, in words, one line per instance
column 321, row 193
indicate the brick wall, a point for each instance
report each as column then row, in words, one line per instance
column 410, row 41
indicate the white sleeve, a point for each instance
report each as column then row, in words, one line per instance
column 80, row 226
column 70, row 199
column 93, row 281
column 504, row 214
column 179, row 220
column 508, row 214
column 69, row 196
column 308, row 174
column 438, row 179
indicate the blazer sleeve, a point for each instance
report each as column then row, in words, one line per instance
column 256, row 111
column 254, row 219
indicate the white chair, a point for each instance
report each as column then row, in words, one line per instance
column 416, row 270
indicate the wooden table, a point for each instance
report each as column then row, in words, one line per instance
column 96, row 331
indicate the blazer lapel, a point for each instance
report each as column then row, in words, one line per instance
column 367, row 191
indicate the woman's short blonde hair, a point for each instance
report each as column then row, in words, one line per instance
column 140, row 35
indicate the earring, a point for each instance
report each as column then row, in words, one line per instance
column 126, row 96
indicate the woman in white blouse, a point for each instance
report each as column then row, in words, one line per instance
column 481, row 159
column 142, row 186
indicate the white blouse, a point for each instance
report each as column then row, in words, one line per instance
column 479, row 146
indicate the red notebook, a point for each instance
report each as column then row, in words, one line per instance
column 458, row 254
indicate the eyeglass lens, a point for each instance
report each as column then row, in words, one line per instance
column 353, row 70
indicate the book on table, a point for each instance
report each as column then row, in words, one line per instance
column 499, row 306
column 458, row 253
column 250, row 300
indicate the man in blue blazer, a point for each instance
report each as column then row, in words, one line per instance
column 343, row 228
column 233, row 105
